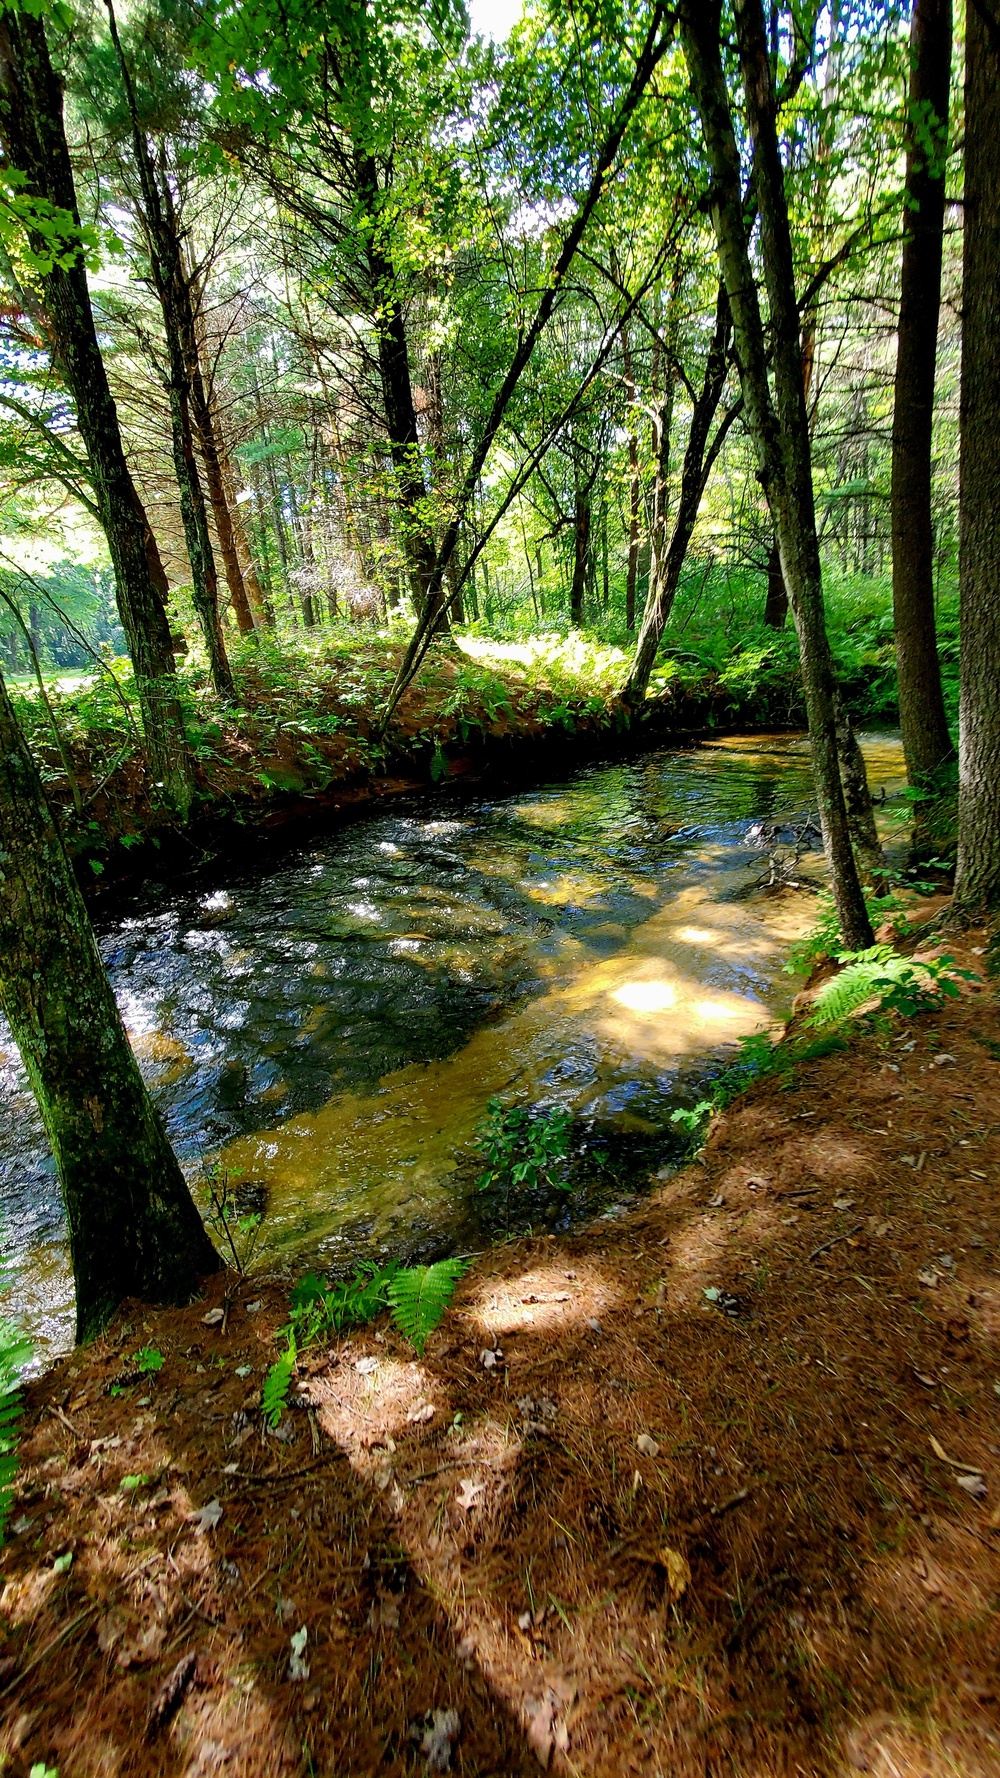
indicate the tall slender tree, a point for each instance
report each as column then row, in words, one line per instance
column 926, row 740
column 779, row 425
column 133, row 1228
column 977, row 881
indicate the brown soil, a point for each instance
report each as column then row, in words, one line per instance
column 651, row 1535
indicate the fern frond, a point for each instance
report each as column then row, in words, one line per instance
column 419, row 1295
column 901, row 984
column 15, row 1352
column 277, row 1384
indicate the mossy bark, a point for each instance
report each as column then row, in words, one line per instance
column 977, row 881
column 133, row 1228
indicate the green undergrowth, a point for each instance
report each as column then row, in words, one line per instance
column 417, row 1298
column 879, row 985
column 307, row 704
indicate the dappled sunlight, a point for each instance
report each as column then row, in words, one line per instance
column 542, row 1298
column 646, row 996
column 392, row 1155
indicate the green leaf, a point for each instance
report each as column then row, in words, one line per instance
column 419, row 1295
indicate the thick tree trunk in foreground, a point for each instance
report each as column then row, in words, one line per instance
column 780, row 430
column 977, row 882
column 34, row 141
column 133, row 1228
column 694, row 473
column 926, row 741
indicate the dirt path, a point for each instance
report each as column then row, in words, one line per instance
column 655, row 1531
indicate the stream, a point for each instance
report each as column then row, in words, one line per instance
column 327, row 1026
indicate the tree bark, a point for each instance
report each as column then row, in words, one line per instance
column 776, row 603
column 977, row 881
column 780, row 428
column 926, row 741
column 34, row 141
column 133, row 1228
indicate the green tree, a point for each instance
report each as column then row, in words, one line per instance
column 50, row 238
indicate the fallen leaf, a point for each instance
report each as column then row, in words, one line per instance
column 958, row 1329
column 214, row 1317
column 842, row 1203
column 490, row 1358
column 940, row 1061
column 298, row 1668
column 365, row 1366
column 678, row 1571
column 973, row 1484
column 419, row 1415
column 929, row 1277
column 207, row 1517
column 468, row 1494
column 646, row 1446
column 254, row 1308
column 928, row 1381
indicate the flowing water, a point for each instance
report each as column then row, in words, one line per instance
column 328, row 1027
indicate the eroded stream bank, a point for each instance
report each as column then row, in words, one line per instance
column 329, row 1029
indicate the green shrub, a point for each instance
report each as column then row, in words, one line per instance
column 523, row 1147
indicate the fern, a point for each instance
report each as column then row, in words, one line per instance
column 899, row 984
column 277, row 1384
column 419, row 1295
column 15, row 1352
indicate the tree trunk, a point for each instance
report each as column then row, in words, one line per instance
column 232, row 486
column 634, row 481
column 214, row 458
column 397, row 398
column 159, row 223
column 977, row 882
column 926, row 741
column 34, row 141
column 133, row 1228
column 581, row 554
column 204, row 580
column 776, row 603
column 780, row 428
column 663, row 586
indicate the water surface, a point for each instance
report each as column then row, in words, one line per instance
column 329, row 1026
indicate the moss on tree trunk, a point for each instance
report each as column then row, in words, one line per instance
column 133, row 1228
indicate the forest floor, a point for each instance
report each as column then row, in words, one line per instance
column 607, row 1524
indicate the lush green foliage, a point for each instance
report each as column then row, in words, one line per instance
column 882, row 976
column 523, row 1148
